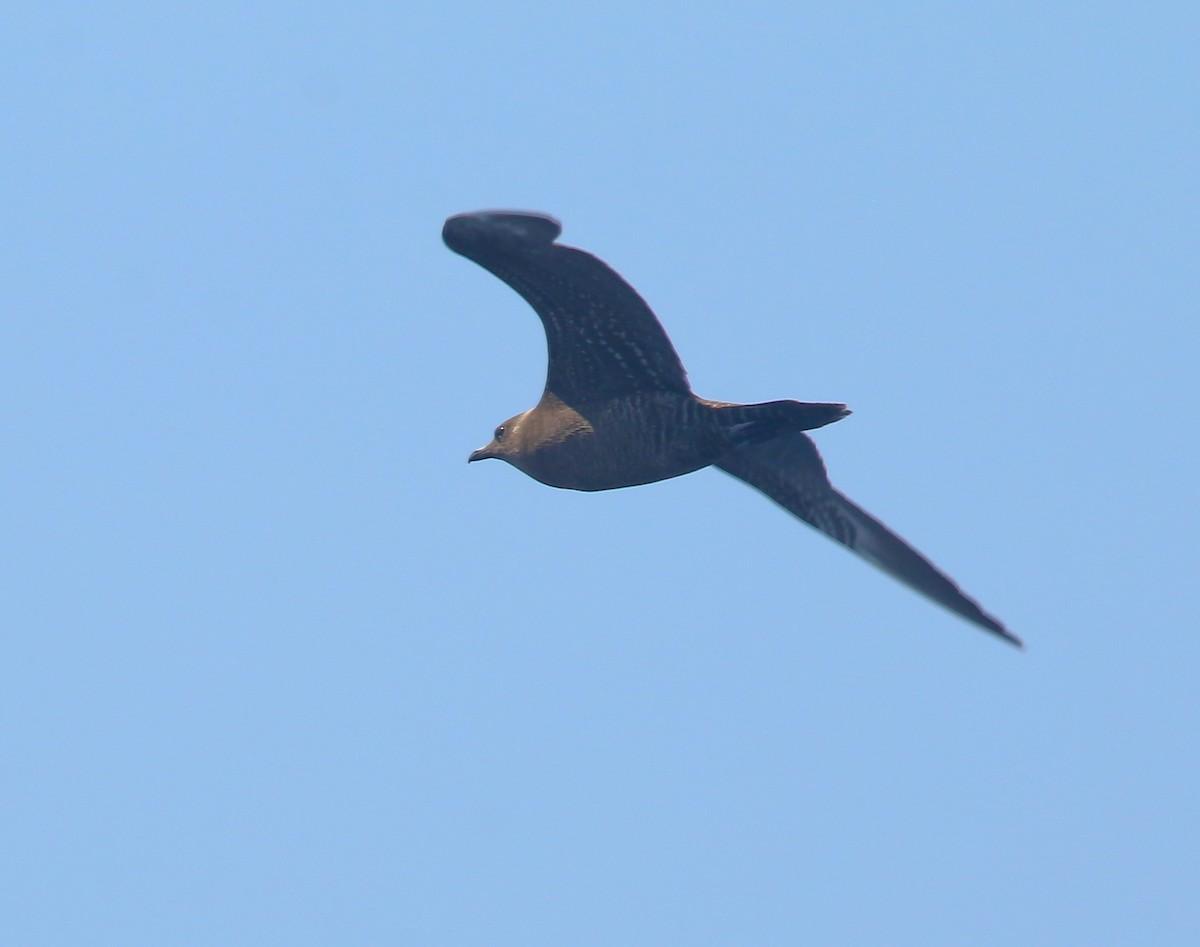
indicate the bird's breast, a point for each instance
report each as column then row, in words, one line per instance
column 621, row 443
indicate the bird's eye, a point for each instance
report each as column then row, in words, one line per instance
column 500, row 432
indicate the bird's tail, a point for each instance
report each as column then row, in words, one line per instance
column 755, row 423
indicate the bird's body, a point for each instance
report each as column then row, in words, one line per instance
column 638, row 438
column 617, row 410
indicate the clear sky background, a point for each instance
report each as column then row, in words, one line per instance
column 278, row 667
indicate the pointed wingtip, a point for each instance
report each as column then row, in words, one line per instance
column 1012, row 640
column 1001, row 632
column 462, row 232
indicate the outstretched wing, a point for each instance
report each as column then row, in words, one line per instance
column 602, row 339
column 789, row 470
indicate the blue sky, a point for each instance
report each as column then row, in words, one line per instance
column 278, row 667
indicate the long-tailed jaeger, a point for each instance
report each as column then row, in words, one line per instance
column 617, row 409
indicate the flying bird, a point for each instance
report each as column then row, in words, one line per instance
column 617, row 409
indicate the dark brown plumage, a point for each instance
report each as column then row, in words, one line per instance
column 617, row 409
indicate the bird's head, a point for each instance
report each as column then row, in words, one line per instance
column 504, row 442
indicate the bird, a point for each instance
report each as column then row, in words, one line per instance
column 617, row 409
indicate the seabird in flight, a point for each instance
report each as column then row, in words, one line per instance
column 617, row 409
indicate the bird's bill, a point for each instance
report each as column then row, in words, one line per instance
column 484, row 453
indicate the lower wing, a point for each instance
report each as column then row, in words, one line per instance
column 789, row 470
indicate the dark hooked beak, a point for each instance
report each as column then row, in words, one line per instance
column 482, row 454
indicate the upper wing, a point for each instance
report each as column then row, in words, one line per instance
column 789, row 470
column 602, row 339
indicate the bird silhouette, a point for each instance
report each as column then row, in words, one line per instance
column 617, row 409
